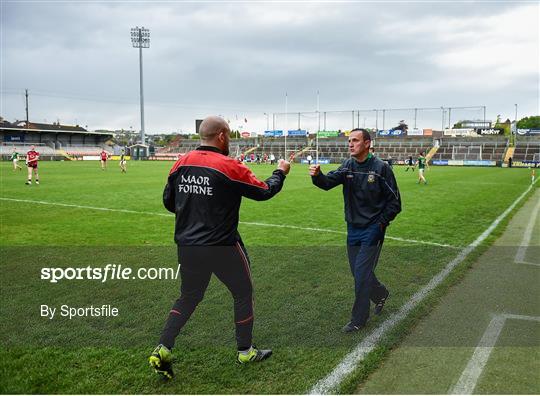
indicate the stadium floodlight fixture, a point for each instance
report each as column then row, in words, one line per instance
column 140, row 38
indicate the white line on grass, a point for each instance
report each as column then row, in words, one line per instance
column 469, row 378
column 349, row 363
column 527, row 263
column 85, row 207
column 520, row 254
column 413, row 241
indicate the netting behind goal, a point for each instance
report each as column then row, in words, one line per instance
column 436, row 118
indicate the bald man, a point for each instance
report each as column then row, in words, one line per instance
column 204, row 190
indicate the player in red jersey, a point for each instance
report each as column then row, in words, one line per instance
column 32, row 158
column 104, row 157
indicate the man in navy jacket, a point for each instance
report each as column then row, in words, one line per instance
column 372, row 201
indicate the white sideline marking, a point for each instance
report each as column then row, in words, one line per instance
column 527, row 263
column 414, row 241
column 351, row 360
column 476, row 183
column 345, row 233
column 84, row 207
column 475, row 367
column 520, row 254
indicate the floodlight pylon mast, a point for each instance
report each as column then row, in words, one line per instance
column 515, row 129
column 286, row 131
column 26, row 97
column 318, row 130
column 140, row 38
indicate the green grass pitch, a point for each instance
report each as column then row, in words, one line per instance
column 303, row 288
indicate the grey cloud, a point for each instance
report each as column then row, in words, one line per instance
column 240, row 57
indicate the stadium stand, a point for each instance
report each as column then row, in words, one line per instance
column 276, row 146
column 527, row 149
column 56, row 141
column 53, row 141
column 257, row 146
column 481, row 148
column 179, row 145
column 397, row 149
column 22, row 148
column 400, row 149
column 85, row 150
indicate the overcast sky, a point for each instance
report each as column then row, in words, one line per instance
column 239, row 59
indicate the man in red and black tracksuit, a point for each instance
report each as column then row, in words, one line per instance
column 204, row 190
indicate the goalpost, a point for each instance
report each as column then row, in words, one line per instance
column 314, row 155
column 313, row 152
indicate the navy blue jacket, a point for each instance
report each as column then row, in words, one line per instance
column 370, row 190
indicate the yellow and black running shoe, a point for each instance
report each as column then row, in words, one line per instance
column 161, row 361
column 253, row 355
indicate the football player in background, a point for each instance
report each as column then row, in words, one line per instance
column 104, row 157
column 32, row 158
column 15, row 159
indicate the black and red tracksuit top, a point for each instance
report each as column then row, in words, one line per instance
column 204, row 190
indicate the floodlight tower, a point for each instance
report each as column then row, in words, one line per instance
column 318, row 130
column 515, row 129
column 140, row 38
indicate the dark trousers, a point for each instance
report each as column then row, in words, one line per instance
column 197, row 264
column 363, row 249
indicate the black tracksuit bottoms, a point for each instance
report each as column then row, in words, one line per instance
column 197, row 264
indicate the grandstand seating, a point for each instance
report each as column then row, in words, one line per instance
column 527, row 149
column 46, row 151
column 333, row 149
column 179, row 146
column 482, row 148
column 257, row 146
column 86, row 150
column 53, row 141
column 276, row 146
column 399, row 150
column 23, row 148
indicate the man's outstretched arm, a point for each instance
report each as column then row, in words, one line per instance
column 253, row 188
column 328, row 181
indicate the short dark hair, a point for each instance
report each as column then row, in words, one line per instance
column 365, row 133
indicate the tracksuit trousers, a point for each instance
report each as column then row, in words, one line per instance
column 197, row 264
column 363, row 249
